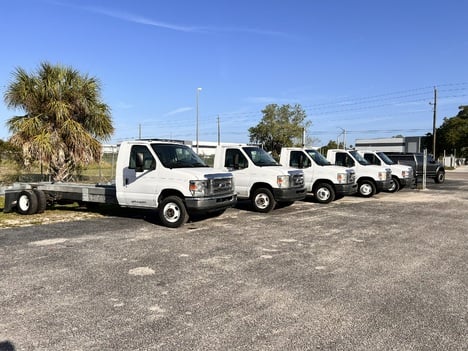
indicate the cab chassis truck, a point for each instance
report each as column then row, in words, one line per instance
column 167, row 177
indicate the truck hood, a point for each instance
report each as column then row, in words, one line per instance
column 376, row 168
column 200, row 173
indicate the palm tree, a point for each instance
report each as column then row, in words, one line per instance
column 65, row 119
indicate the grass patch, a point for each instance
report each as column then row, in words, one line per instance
column 53, row 214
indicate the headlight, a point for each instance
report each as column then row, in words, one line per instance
column 342, row 178
column 282, row 181
column 405, row 174
column 198, row 187
column 382, row 175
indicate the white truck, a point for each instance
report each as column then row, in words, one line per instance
column 167, row 177
column 326, row 182
column 402, row 175
column 371, row 179
column 259, row 178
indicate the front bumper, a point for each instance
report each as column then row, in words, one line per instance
column 290, row 194
column 211, row 203
column 411, row 182
column 346, row 189
column 383, row 185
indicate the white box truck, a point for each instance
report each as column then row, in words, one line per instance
column 371, row 179
column 167, row 177
column 326, row 182
column 259, row 178
column 402, row 175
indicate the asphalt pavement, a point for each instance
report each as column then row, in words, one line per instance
column 385, row 273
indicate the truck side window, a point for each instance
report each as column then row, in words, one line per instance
column 372, row 159
column 299, row 160
column 342, row 159
column 235, row 160
column 149, row 163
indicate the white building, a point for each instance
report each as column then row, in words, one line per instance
column 398, row 144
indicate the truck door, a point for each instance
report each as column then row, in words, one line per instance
column 139, row 178
column 299, row 159
column 236, row 162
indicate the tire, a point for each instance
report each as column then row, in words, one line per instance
column 27, row 202
column 394, row 185
column 262, row 200
column 324, row 193
column 172, row 212
column 440, row 177
column 41, row 200
column 366, row 188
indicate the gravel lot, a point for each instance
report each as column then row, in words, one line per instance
column 385, row 273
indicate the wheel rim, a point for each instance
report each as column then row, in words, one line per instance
column 366, row 189
column 392, row 186
column 172, row 212
column 262, row 201
column 323, row 194
column 23, row 203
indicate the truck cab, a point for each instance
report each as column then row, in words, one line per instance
column 324, row 181
column 402, row 175
column 259, row 178
column 433, row 169
column 371, row 179
column 172, row 178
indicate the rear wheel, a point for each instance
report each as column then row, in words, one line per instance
column 41, row 200
column 366, row 188
column 263, row 200
column 172, row 212
column 27, row 202
column 394, row 185
column 324, row 193
column 440, row 177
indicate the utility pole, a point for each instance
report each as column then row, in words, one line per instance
column 219, row 133
column 434, row 124
column 198, row 93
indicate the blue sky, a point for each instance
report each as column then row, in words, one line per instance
column 367, row 67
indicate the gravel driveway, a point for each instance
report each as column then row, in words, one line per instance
column 385, row 273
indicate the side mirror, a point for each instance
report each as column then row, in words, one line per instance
column 301, row 161
column 139, row 162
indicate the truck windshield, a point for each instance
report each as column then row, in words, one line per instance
column 177, row 156
column 318, row 157
column 357, row 156
column 259, row 156
column 385, row 158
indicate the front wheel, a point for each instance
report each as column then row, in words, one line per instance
column 394, row 185
column 440, row 177
column 366, row 188
column 172, row 212
column 324, row 193
column 263, row 200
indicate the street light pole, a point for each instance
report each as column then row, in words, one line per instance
column 198, row 93
column 434, row 129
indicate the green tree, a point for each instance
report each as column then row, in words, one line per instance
column 281, row 126
column 453, row 133
column 331, row 145
column 65, row 119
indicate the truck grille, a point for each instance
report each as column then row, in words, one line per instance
column 389, row 174
column 297, row 180
column 221, row 186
